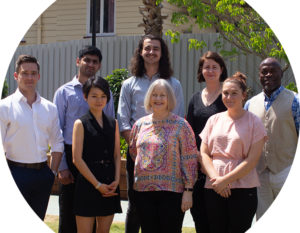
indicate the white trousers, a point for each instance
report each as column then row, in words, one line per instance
column 270, row 186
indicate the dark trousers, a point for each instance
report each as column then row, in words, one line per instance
column 132, row 222
column 160, row 211
column 67, row 219
column 35, row 186
column 198, row 210
column 233, row 214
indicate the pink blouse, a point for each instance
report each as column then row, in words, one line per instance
column 229, row 142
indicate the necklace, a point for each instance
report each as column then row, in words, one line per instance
column 208, row 98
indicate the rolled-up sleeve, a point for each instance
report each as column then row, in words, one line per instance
column 56, row 140
column 60, row 103
column 124, row 108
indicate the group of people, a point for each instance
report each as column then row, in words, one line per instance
column 226, row 162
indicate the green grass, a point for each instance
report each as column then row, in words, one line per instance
column 52, row 222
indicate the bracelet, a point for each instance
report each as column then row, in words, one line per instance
column 98, row 185
column 188, row 189
column 54, row 173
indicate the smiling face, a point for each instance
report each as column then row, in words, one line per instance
column 27, row 77
column 211, row 71
column 232, row 95
column 159, row 99
column 270, row 75
column 151, row 51
column 96, row 99
column 88, row 65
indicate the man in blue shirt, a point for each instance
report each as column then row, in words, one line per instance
column 279, row 110
column 71, row 106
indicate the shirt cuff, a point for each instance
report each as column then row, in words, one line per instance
column 63, row 163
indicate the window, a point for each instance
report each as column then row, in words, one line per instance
column 105, row 17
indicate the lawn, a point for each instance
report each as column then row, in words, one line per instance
column 52, row 222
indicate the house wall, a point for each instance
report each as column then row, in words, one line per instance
column 67, row 19
column 63, row 20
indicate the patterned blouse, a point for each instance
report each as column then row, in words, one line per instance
column 165, row 154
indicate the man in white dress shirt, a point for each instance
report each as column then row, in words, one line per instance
column 29, row 125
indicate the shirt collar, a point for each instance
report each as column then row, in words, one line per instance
column 156, row 76
column 20, row 97
column 75, row 81
column 274, row 94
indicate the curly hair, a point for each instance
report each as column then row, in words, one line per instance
column 137, row 67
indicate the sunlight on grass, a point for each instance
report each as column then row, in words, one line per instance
column 117, row 227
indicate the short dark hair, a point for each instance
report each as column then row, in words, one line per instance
column 97, row 82
column 218, row 59
column 90, row 50
column 137, row 67
column 26, row 59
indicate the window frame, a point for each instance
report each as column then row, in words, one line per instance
column 101, row 33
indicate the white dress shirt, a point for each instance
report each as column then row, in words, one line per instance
column 26, row 131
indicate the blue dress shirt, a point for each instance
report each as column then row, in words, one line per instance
column 71, row 105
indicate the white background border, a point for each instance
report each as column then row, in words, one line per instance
column 16, row 16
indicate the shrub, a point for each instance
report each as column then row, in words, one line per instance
column 115, row 81
column 292, row 86
column 4, row 90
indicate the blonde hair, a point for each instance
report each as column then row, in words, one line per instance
column 171, row 100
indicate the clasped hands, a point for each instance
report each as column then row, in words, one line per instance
column 221, row 186
column 108, row 190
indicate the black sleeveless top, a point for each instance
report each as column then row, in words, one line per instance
column 98, row 154
column 98, row 145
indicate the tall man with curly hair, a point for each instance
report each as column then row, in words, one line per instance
column 149, row 63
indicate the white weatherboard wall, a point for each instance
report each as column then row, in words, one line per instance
column 58, row 62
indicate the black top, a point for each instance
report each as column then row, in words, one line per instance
column 98, row 143
column 198, row 113
column 98, row 154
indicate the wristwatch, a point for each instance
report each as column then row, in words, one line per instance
column 54, row 172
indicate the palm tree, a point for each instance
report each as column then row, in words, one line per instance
column 152, row 17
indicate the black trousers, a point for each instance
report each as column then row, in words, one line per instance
column 233, row 214
column 35, row 186
column 67, row 219
column 132, row 222
column 160, row 211
column 198, row 210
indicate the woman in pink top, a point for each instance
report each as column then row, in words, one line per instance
column 231, row 146
column 164, row 148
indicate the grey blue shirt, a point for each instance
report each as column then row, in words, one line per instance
column 71, row 105
column 131, row 101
